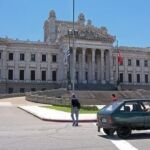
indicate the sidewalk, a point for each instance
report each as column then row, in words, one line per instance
column 55, row 115
column 44, row 113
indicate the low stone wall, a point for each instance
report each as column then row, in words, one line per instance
column 11, row 95
column 61, row 96
column 47, row 99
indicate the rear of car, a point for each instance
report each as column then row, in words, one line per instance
column 124, row 116
column 105, row 116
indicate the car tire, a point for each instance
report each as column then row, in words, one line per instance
column 123, row 132
column 98, row 129
column 109, row 131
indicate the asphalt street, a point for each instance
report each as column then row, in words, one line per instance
column 22, row 131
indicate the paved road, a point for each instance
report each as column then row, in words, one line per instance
column 22, row 131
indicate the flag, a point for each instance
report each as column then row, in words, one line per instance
column 66, row 55
column 68, row 52
column 120, row 58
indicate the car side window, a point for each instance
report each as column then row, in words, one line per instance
column 125, row 108
column 135, row 106
column 146, row 105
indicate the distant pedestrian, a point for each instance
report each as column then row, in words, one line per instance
column 113, row 97
column 75, row 107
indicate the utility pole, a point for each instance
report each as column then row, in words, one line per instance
column 73, row 49
column 118, row 80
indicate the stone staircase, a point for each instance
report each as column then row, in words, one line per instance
column 94, row 97
column 95, row 87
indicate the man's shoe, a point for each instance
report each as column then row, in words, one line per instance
column 76, row 124
column 73, row 124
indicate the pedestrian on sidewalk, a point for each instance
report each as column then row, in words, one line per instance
column 114, row 98
column 75, row 107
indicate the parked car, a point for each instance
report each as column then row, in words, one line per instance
column 123, row 116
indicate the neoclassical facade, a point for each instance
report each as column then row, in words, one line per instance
column 86, row 56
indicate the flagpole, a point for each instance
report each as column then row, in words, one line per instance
column 73, row 70
column 68, row 56
column 118, row 80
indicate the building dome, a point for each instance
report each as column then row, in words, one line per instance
column 52, row 14
column 81, row 17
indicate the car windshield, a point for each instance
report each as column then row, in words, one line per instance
column 112, row 106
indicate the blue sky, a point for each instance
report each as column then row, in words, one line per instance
column 129, row 20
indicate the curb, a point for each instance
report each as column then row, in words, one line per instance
column 58, row 120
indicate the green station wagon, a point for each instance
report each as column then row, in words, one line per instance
column 123, row 116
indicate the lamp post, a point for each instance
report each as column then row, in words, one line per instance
column 118, row 80
column 73, row 69
column 70, row 36
column 68, row 73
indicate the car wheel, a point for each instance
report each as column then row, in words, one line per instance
column 109, row 131
column 124, row 132
column 98, row 129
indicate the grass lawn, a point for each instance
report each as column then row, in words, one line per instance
column 83, row 110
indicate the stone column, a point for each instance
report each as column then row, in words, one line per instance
column 38, row 69
column 4, row 64
column 111, row 66
column 125, row 70
column 16, row 70
column 93, row 66
column 27, row 69
column 83, row 65
column 49, row 60
column 102, row 67
column 142, row 74
column 134, row 70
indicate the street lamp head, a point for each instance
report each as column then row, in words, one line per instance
column 70, row 32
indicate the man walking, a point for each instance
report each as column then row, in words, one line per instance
column 75, row 106
column 114, row 98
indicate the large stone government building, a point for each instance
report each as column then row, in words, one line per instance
column 29, row 66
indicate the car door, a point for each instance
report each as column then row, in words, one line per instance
column 147, row 119
column 146, row 114
column 129, row 117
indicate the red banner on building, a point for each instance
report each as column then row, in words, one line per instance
column 120, row 58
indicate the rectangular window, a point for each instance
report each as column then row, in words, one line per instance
column 32, row 57
column 11, row 55
column 21, row 74
column 10, row 74
column 22, row 90
column 96, row 76
column 43, row 75
column 32, row 74
column 86, row 58
column 21, row 57
column 129, row 62
column 54, row 76
column 43, row 58
column 33, row 89
column 77, row 76
column 130, row 78
column 145, row 63
column 86, row 76
column 10, row 90
column 138, row 78
column 121, row 77
column 96, row 59
column 43, row 89
column 137, row 63
column 146, row 78
column 77, row 58
column 54, row 58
